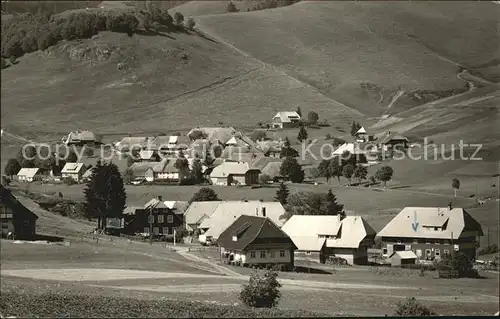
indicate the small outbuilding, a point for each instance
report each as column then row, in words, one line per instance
column 400, row 258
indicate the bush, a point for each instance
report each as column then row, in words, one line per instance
column 456, row 266
column 492, row 249
column 68, row 181
column 190, row 24
column 258, row 135
column 411, row 307
column 264, row 178
column 261, row 292
column 231, row 7
column 178, row 18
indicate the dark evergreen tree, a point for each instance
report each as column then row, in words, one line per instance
column 332, row 206
column 197, row 171
column 302, row 136
column 105, row 194
column 282, row 194
column 287, row 150
column 12, row 167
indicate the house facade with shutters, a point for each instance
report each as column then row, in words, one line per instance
column 431, row 232
column 164, row 219
column 256, row 241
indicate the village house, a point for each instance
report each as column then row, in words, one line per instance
column 215, row 135
column 256, row 241
column 128, row 143
column 431, row 232
column 197, row 212
column 149, row 156
column 393, row 140
column 82, row 138
column 317, row 237
column 171, row 145
column 286, row 120
column 29, row 175
column 164, row 220
column 270, row 148
column 269, row 166
column 228, row 211
column 74, row 171
column 16, row 219
column 354, row 150
column 234, row 173
column 361, row 135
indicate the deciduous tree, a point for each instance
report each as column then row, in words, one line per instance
column 12, row 167
column 347, row 172
column 384, row 174
column 360, row 173
column 312, row 117
column 290, row 168
column 205, row 194
column 261, row 292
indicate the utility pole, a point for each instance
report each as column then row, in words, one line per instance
column 175, row 233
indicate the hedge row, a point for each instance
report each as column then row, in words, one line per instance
column 62, row 305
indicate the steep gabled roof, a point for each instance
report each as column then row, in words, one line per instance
column 361, row 130
column 230, row 168
column 252, row 229
column 28, row 172
column 347, row 233
column 8, row 199
column 286, row 116
column 433, row 223
column 228, row 211
column 197, row 210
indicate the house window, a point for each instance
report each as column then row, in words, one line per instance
column 437, row 242
column 262, row 254
column 308, row 252
column 170, row 219
column 252, row 254
column 415, row 241
column 156, row 230
column 282, row 253
column 446, row 251
column 272, row 254
column 427, row 253
column 437, row 252
column 384, row 251
column 161, row 219
column 165, row 231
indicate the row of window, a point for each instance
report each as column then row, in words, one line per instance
column 164, row 230
column 263, row 254
column 160, row 219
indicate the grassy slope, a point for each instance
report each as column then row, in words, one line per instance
column 336, row 45
column 200, row 7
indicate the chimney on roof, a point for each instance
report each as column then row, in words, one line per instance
column 160, row 198
column 449, row 206
column 263, row 212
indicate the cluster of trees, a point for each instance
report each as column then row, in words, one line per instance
column 28, row 32
column 105, row 195
column 355, row 127
column 271, row 4
column 53, row 7
column 346, row 166
column 290, row 167
column 309, row 203
column 456, row 265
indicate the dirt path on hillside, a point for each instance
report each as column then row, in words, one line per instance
column 184, row 252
